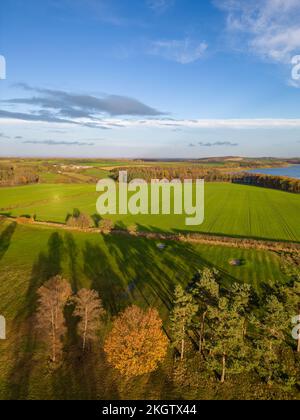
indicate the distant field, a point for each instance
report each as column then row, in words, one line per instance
column 123, row 270
column 234, row 210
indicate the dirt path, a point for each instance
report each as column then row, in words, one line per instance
column 231, row 242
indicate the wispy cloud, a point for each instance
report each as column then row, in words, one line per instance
column 105, row 11
column 3, row 136
column 159, row 6
column 218, row 144
column 271, row 28
column 76, row 105
column 58, row 143
column 50, row 118
column 163, row 122
column 214, row 144
column 56, row 106
column 184, row 51
column 231, row 124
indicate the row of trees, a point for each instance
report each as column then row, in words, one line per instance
column 269, row 181
column 53, row 296
column 17, row 175
column 211, row 175
column 81, row 220
column 182, row 173
column 228, row 330
column 234, row 334
column 135, row 345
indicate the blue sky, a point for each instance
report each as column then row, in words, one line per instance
column 149, row 78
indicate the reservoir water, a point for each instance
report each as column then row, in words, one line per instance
column 291, row 171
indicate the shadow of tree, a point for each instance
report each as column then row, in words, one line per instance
column 73, row 254
column 106, row 280
column 123, row 270
column 84, row 377
column 47, row 265
column 5, row 238
column 154, row 272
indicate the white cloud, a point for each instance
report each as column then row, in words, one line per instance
column 163, row 123
column 271, row 27
column 184, row 51
column 207, row 123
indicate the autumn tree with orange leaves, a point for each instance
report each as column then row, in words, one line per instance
column 136, row 343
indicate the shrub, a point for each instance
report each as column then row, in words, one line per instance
column 106, row 225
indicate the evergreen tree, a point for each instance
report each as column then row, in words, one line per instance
column 206, row 293
column 240, row 299
column 182, row 317
column 270, row 342
column 292, row 303
column 228, row 350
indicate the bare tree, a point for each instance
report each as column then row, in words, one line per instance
column 90, row 311
column 53, row 297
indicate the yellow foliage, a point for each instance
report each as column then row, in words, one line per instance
column 137, row 343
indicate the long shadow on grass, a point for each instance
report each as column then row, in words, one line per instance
column 151, row 274
column 106, row 280
column 5, row 238
column 154, row 272
column 46, row 266
column 84, row 376
column 73, row 253
column 142, row 270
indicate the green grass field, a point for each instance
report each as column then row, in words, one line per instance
column 123, row 270
column 234, row 210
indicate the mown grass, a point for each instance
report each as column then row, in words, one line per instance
column 124, row 271
column 234, row 210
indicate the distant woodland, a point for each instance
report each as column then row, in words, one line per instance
column 17, row 175
column 269, row 181
column 211, row 175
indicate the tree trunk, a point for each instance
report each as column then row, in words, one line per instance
column 298, row 348
column 244, row 329
column 53, row 338
column 202, row 332
column 85, row 330
column 223, row 368
column 182, row 343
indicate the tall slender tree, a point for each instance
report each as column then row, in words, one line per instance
column 240, row 299
column 89, row 309
column 206, row 292
column 226, row 343
column 53, row 297
column 270, row 342
column 182, row 317
column 292, row 303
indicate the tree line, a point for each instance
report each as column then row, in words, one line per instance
column 182, row 173
column 134, row 346
column 236, row 332
column 213, row 331
column 211, row 175
column 269, row 181
column 17, row 175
